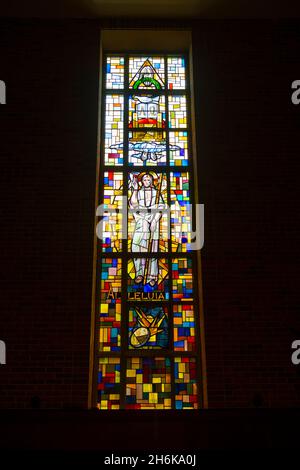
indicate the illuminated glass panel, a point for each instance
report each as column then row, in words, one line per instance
column 148, row 383
column 147, row 231
column 184, row 327
column 148, row 327
column 110, row 326
column 114, row 72
column 181, row 232
column 148, row 279
column 147, row 111
column 182, row 279
column 109, row 383
column 177, row 112
column 114, row 130
column 146, row 313
column 176, row 73
column 111, row 275
column 146, row 72
column 178, row 148
column 113, row 184
column 185, row 383
column 147, row 148
column 112, row 218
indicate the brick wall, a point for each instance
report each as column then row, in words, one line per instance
column 248, row 173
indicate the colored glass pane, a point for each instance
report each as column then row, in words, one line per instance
column 114, row 130
column 178, row 148
column 115, row 72
column 147, row 147
column 147, row 111
column 109, row 383
column 148, row 327
column 112, row 212
column 180, row 211
column 182, row 279
column 110, row 306
column 185, row 383
column 176, row 73
column 110, row 326
column 148, row 279
column 148, row 383
column 184, row 327
column 177, row 112
column 111, row 276
column 147, row 217
column 146, row 72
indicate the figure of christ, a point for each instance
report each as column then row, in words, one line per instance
column 146, row 201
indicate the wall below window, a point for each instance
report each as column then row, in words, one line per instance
column 247, row 132
column 161, row 432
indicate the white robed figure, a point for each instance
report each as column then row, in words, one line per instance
column 146, row 201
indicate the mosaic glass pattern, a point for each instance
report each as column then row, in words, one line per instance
column 148, row 279
column 113, row 185
column 178, row 148
column 184, row 327
column 146, row 72
column 148, row 327
column 147, row 231
column 112, row 220
column 182, row 279
column 147, row 111
column 110, row 326
column 139, row 318
column 114, row 132
column 147, row 147
column 176, row 73
column 148, row 383
column 180, row 211
column 111, row 277
column 177, row 112
column 185, row 383
column 114, row 72
column 109, row 383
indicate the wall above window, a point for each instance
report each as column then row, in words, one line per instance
column 173, row 9
column 143, row 40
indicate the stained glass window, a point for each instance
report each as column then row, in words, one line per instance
column 147, row 307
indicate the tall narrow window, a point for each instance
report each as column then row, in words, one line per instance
column 147, row 316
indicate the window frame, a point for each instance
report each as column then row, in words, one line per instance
column 125, row 352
